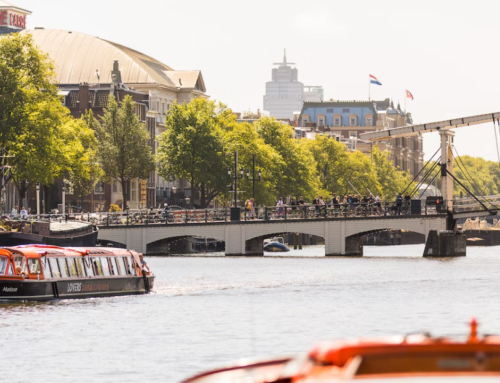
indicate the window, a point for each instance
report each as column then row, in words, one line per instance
column 158, row 106
column 329, row 110
column 97, row 267
column 368, row 121
column 353, row 134
column 20, row 262
column 337, row 121
column 115, row 187
column 128, row 265
column 353, row 121
column 63, row 267
column 46, row 268
column 119, row 266
column 72, row 267
column 34, row 266
column 11, row 270
column 345, row 110
column 321, row 122
column 3, row 265
column 54, row 267
column 105, row 267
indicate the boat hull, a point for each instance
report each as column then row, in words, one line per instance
column 73, row 288
column 276, row 247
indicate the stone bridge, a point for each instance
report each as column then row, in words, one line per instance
column 343, row 236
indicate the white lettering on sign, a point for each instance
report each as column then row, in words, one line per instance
column 72, row 287
column 9, row 289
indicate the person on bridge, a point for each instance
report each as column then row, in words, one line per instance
column 399, row 203
column 407, row 202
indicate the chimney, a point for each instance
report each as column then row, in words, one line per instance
column 83, row 97
column 116, row 75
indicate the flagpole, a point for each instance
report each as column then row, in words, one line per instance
column 406, row 96
column 369, row 87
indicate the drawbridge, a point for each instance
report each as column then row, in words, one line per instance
column 474, row 206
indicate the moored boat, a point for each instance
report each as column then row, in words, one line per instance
column 410, row 358
column 41, row 272
column 276, row 244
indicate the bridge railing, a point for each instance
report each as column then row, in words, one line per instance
column 265, row 213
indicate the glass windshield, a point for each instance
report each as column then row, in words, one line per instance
column 3, row 265
column 34, row 266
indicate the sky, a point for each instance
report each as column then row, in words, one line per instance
column 444, row 52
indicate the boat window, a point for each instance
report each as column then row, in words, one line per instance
column 97, row 266
column 111, row 264
column 128, row 266
column 34, row 266
column 105, row 266
column 79, row 265
column 87, row 263
column 3, row 265
column 20, row 261
column 63, row 267
column 119, row 266
column 54, row 267
column 46, row 268
column 11, row 270
column 72, row 267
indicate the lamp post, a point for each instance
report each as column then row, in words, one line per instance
column 235, row 210
column 187, row 199
column 63, row 198
column 38, row 200
column 253, row 179
column 174, row 192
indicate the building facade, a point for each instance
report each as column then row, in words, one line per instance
column 348, row 119
column 81, row 59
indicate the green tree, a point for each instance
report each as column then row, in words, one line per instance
column 31, row 114
column 295, row 173
column 244, row 138
column 124, row 152
column 392, row 180
column 192, row 147
column 84, row 169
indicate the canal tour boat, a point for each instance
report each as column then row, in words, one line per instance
column 42, row 272
column 410, row 358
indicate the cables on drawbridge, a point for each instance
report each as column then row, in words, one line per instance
column 469, row 178
column 421, row 170
column 426, row 176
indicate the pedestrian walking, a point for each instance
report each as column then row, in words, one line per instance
column 280, row 205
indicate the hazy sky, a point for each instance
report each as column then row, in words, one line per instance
column 444, row 52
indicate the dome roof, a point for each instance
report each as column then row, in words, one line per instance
column 77, row 56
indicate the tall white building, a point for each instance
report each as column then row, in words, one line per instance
column 285, row 93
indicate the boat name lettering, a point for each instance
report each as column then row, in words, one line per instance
column 74, row 287
column 9, row 289
column 95, row 287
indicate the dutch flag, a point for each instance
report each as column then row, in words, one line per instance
column 373, row 80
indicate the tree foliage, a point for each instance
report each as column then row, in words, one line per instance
column 192, row 146
column 31, row 114
column 123, row 150
column 84, row 169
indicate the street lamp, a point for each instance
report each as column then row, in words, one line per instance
column 235, row 210
column 187, row 201
column 253, row 179
column 174, row 192
column 63, row 198
column 38, row 200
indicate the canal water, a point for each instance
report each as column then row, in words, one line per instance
column 206, row 311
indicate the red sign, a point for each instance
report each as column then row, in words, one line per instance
column 12, row 20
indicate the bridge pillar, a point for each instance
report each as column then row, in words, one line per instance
column 445, row 244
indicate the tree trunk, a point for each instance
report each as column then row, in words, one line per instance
column 202, row 196
column 191, row 200
column 124, row 194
